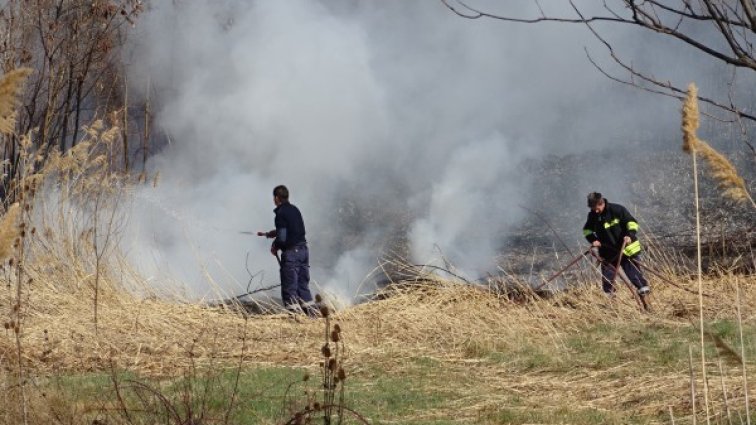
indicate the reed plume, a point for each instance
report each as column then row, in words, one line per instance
column 10, row 91
column 720, row 168
column 9, row 231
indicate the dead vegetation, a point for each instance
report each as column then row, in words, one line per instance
column 454, row 324
column 71, row 305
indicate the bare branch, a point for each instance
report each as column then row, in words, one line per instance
column 647, row 18
column 735, row 25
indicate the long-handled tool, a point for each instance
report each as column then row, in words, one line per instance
column 564, row 269
column 619, row 263
column 642, row 304
column 264, row 234
column 659, row 276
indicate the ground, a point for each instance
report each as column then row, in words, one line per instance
column 437, row 352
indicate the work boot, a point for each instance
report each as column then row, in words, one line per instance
column 644, row 290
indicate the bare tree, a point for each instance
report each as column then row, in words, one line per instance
column 687, row 21
column 74, row 48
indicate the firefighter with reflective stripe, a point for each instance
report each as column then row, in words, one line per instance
column 607, row 228
column 289, row 238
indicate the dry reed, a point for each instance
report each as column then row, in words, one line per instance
column 9, row 231
column 10, row 89
column 720, row 168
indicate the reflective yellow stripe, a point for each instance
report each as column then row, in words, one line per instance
column 632, row 249
column 587, row 232
column 609, row 224
column 631, row 225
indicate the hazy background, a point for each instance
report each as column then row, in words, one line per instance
column 397, row 126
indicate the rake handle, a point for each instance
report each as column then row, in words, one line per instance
column 564, row 269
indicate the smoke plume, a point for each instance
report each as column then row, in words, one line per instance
column 395, row 125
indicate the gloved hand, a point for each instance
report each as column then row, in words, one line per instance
column 596, row 244
column 274, row 249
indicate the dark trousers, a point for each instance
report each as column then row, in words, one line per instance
column 631, row 267
column 295, row 278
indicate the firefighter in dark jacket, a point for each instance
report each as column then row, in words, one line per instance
column 607, row 228
column 289, row 238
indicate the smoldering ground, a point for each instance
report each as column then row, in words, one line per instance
column 399, row 127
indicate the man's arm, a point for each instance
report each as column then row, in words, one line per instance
column 588, row 232
column 628, row 223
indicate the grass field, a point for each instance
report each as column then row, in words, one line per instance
column 434, row 353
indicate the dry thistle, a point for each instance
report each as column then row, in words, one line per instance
column 324, row 311
column 318, row 298
column 326, row 350
column 335, row 336
column 720, row 168
column 332, row 364
column 342, row 374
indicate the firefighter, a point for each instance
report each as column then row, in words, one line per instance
column 289, row 238
column 607, row 228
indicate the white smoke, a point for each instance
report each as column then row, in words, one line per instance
column 380, row 117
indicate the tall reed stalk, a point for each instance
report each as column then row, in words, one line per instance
column 690, row 122
column 742, row 353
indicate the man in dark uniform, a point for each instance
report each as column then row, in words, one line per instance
column 608, row 227
column 289, row 238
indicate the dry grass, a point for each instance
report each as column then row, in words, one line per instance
column 10, row 89
column 9, row 231
column 457, row 325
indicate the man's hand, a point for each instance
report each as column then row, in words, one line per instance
column 596, row 244
column 274, row 250
column 627, row 240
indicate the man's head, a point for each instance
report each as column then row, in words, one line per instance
column 596, row 202
column 280, row 195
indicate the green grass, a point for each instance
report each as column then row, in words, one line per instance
column 555, row 416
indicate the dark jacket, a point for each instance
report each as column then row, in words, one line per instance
column 610, row 227
column 290, row 228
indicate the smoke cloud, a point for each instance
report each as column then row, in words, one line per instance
column 393, row 123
